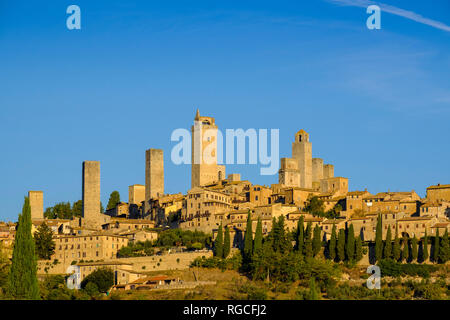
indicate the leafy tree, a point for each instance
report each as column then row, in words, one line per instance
column 388, row 244
column 258, row 237
column 308, row 241
column 414, row 249
column 341, row 245
column 315, row 206
column 226, row 243
column 22, row 279
column 358, row 249
column 77, row 208
column 396, row 249
column 114, row 200
column 350, row 245
column 425, row 254
column 103, row 278
column 405, row 252
column 101, row 207
column 279, row 238
column 436, row 246
column 444, row 253
column 379, row 240
column 300, row 236
column 332, row 244
column 218, row 244
column 248, row 240
column 45, row 245
column 316, row 242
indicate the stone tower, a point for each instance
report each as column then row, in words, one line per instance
column 289, row 175
column 91, row 193
column 328, row 171
column 36, row 204
column 136, row 194
column 154, row 174
column 204, row 168
column 317, row 169
column 302, row 152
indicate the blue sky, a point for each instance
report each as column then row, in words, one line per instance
column 375, row 102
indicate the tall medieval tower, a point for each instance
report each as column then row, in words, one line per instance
column 204, row 168
column 302, row 152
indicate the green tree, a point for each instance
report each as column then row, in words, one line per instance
column 218, row 244
column 341, row 245
column 358, row 249
column 248, row 239
column 226, row 243
column 350, row 245
column 444, row 253
column 425, row 253
column 388, row 244
column 300, row 236
column 114, row 200
column 308, row 241
column 22, row 279
column 332, row 244
column 77, row 208
column 379, row 240
column 414, row 249
column 396, row 249
column 436, row 246
column 258, row 237
column 103, row 278
column 405, row 252
column 317, row 241
column 314, row 293
column 44, row 243
column 315, row 206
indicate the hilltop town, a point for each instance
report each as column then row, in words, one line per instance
column 215, row 200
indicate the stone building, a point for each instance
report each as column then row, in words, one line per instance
column 204, row 167
column 136, row 194
column 36, row 204
column 154, row 176
column 91, row 195
column 289, row 173
column 302, row 152
column 438, row 192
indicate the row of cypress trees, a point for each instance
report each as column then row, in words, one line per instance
column 222, row 246
column 407, row 249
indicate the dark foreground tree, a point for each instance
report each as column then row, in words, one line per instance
column 22, row 280
column 379, row 240
column 45, row 245
column 218, row 244
column 332, row 244
column 114, row 200
column 103, row 278
column 257, row 246
column 226, row 243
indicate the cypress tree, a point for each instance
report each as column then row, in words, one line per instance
column 405, row 252
column 379, row 240
column 300, row 236
column 350, row 245
column 444, row 253
column 414, row 249
column 258, row 237
column 226, row 243
column 22, row 279
column 396, row 249
column 332, row 244
column 248, row 239
column 358, row 249
column 436, row 246
column 218, row 244
column 314, row 293
column 388, row 244
column 341, row 245
column 308, row 241
column 425, row 254
column 316, row 243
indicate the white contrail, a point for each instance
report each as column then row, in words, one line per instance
column 394, row 10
